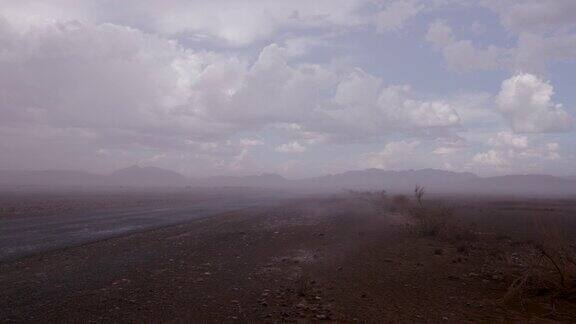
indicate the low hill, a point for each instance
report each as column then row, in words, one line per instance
column 520, row 184
column 49, row 178
column 438, row 181
column 389, row 180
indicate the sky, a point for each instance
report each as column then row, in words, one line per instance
column 299, row 88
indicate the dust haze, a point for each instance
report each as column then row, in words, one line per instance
column 371, row 161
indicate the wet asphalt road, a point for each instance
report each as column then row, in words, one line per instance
column 26, row 236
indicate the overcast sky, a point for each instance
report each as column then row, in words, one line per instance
column 299, row 87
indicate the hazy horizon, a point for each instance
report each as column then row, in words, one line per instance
column 255, row 161
column 298, row 88
column 145, row 167
column 394, row 182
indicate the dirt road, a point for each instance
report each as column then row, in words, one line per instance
column 22, row 236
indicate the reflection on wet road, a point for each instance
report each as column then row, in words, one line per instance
column 29, row 235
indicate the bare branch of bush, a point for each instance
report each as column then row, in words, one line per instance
column 550, row 265
column 437, row 219
column 419, row 195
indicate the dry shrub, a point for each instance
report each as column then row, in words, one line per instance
column 549, row 266
column 556, row 248
column 303, row 285
column 432, row 220
column 437, row 219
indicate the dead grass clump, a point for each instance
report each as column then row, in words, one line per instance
column 549, row 267
column 303, row 285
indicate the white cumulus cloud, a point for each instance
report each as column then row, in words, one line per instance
column 393, row 155
column 526, row 101
column 292, row 147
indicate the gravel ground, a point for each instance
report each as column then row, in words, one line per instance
column 332, row 259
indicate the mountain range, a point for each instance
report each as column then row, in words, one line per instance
column 395, row 181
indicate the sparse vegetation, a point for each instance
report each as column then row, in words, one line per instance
column 548, row 262
column 549, row 266
column 430, row 218
column 436, row 219
column 356, row 258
